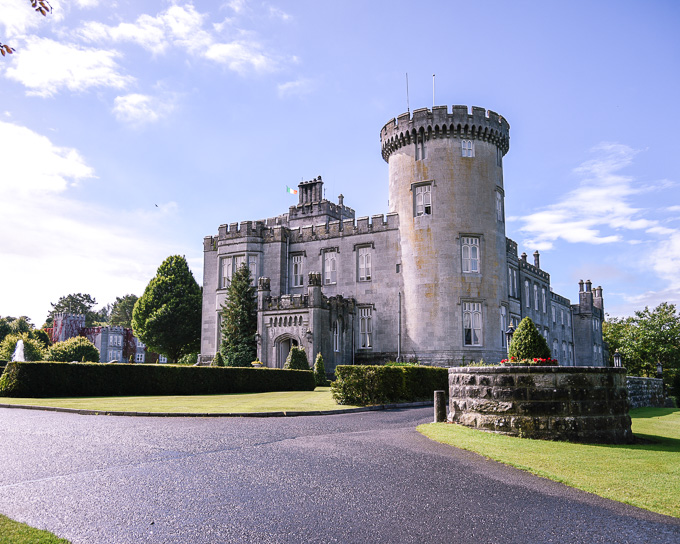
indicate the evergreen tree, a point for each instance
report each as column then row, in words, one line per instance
column 527, row 342
column 217, row 360
column 75, row 303
column 239, row 320
column 297, row 359
column 121, row 312
column 167, row 317
column 320, row 371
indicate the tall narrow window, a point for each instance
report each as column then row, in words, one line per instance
column 226, row 271
column 330, row 267
column 467, row 148
column 499, row 156
column 510, row 286
column 545, row 308
column 526, row 294
column 364, row 264
column 556, row 350
column 562, row 316
column 553, row 312
column 564, row 352
column 499, row 206
column 336, row 335
column 296, row 275
column 571, row 354
column 423, row 203
column 504, row 324
column 252, row 266
column 535, row 297
column 365, row 328
column 470, row 252
column 472, row 323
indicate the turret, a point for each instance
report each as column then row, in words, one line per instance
column 446, row 184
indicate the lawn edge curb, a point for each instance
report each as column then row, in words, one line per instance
column 375, row 408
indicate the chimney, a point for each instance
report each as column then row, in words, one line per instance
column 537, row 259
column 589, row 285
column 524, row 257
column 580, row 286
column 341, row 200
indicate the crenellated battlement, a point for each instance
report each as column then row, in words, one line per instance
column 528, row 267
column 559, row 299
column 479, row 124
column 348, row 227
column 511, row 247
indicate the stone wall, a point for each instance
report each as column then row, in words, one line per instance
column 645, row 392
column 552, row 403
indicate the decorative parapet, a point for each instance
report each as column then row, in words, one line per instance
column 511, row 247
column 263, row 284
column 287, row 302
column 314, row 279
column 478, row 124
column 236, row 230
column 528, row 267
column 348, row 227
column 560, row 299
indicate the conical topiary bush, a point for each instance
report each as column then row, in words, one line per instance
column 527, row 342
column 297, row 359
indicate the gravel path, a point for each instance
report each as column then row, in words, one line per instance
column 366, row 477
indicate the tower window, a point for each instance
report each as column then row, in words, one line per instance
column 499, row 206
column 423, row 199
column 504, row 324
column 472, row 323
column 297, row 275
column 526, row 293
column 365, row 328
column 467, row 148
column 499, row 157
column 330, row 268
column 470, row 252
column 364, row 264
column 336, row 335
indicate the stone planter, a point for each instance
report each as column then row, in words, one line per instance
column 575, row 404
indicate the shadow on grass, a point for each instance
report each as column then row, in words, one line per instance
column 643, row 413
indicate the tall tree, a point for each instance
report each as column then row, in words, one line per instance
column 648, row 338
column 167, row 317
column 75, row 303
column 121, row 312
column 239, row 320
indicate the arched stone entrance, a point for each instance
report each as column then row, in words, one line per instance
column 282, row 347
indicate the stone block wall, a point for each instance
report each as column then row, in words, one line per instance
column 645, row 392
column 551, row 403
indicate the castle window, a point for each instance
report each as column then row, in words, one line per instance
column 330, row 267
column 545, row 308
column 535, row 297
column 556, row 349
column 472, row 323
column 162, row 359
column 420, row 145
column 499, row 206
column 571, row 354
column 562, row 316
column 296, row 273
column 336, row 335
column 512, row 278
column 423, row 199
column 526, row 293
column 470, row 253
column 364, row 255
column 467, row 148
column 232, row 263
column 139, row 357
column 365, row 328
column 504, row 324
column 553, row 312
column 564, row 352
column 499, row 156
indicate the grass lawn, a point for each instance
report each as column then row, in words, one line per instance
column 12, row 532
column 645, row 474
column 281, row 401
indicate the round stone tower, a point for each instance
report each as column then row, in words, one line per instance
column 446, row 184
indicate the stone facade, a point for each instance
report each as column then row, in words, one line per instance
column 645, row 392
column 553, row 403
column 436, row 279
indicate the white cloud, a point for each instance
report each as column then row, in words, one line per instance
column 602, row 201
column 237, row 5
column 46, row 67
column 241, row 57
column 140, row 109
column 87, row 3
column 60, row 244
column 299, row 87
column 279, row 14
column 673, row 209
column 17, row 18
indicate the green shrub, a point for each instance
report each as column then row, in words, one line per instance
column 33, row 349
column 217, row 360
column 77, row 348
column 42, row 336
column 297, row 359
column 527, row 342
column 189, row 359
column 320, row 371
column 400, row 363
column 102, row 380
column 238, row 355
column 364, row 385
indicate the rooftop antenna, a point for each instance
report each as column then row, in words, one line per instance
column 433, row 90
column 408, row 109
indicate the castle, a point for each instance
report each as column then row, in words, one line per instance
column 435, row 280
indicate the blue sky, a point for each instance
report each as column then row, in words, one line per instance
column 131, row 129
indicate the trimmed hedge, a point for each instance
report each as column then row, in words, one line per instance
column 42, row 380
column 364, row 385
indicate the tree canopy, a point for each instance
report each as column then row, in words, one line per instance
column 646, row 339
column 239, row 320
column 121, row 311
column 75, row 303
column 167, row 317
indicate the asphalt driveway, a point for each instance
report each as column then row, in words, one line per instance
column 352, row 478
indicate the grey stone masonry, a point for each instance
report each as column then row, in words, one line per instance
column 645, row 392
column 548, row 402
